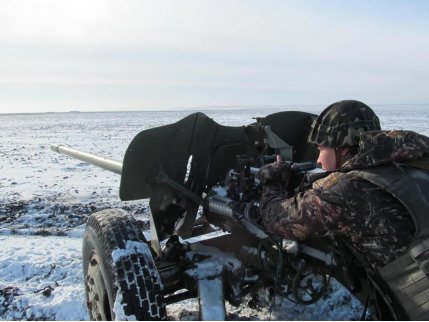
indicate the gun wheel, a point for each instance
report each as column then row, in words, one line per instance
column 120, row 277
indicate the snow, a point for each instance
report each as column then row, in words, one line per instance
column 213, row 265
column 45, row 199
column 41, row 278
column 131, row 247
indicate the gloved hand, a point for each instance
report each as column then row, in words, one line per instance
column 275, row 172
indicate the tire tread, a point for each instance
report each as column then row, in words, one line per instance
column 133, row 275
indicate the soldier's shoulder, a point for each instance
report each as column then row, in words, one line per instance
column 334, row 180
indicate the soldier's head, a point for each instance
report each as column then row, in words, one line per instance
column 337, row 131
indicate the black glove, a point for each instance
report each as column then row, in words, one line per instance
column 277, row 172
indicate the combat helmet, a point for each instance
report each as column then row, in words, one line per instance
column 341, row 124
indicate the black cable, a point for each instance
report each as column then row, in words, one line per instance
column 279, row 265
column 365, row 309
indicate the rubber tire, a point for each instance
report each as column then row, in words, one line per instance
column 133, row 276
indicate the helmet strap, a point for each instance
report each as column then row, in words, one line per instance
column 338, row 157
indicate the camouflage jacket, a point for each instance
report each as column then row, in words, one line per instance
column 375, row 223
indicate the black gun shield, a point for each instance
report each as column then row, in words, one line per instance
column 213, row 148
column 169, row 147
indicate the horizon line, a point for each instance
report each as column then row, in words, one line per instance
column 205, row 108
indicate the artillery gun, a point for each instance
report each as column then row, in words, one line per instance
column 206, row 239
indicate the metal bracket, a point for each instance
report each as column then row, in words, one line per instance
column 211, row 300
column 281, row 147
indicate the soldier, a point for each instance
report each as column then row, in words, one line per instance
column 370, row 196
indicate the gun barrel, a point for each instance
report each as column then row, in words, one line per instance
column 98, row 160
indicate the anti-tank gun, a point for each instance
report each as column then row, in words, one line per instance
column 206, row 239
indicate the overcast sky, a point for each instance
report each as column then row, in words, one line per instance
column 59, row 55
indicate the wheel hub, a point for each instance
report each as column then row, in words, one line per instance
column 96, row 290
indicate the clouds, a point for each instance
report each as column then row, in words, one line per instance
column 160, row 54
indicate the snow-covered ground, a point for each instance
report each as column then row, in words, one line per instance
column 45, row 199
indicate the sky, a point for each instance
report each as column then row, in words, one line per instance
column 102, row 55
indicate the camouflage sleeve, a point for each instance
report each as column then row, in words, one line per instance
column 374, row 222
column 303, row 216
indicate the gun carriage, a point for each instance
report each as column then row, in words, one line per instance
column 206, row 239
